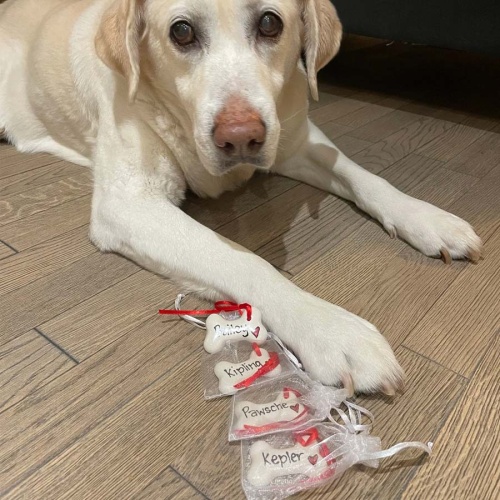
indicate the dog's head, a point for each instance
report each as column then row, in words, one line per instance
column 225, row 62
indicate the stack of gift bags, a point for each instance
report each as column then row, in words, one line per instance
column 295, row 433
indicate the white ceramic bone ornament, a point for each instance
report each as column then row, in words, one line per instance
column 284, row 409
column 220, row 330
column 268, row 463
column 231, row 374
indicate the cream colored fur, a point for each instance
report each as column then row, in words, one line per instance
column 99, row 83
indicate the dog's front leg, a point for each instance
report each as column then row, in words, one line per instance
column 428, row 228
column 131, row 216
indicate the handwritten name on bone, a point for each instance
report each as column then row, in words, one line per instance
column 269, row 463
column 284, row 409
column 220, row 330
column 230, row 374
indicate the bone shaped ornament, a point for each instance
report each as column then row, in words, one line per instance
column 231, row 375
column 220, row 330
column 284, row 409
column 269, row 463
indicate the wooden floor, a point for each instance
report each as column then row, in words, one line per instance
column 100, row 398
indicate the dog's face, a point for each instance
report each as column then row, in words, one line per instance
column 225, row 63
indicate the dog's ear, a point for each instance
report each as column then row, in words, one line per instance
column 118, row 39
column 322, row 36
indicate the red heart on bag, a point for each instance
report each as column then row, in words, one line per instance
column 256, row 332
column 313, row 459
column 295, row 408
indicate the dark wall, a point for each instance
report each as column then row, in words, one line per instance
column 458, row 24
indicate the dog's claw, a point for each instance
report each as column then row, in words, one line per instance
column 348, row 384
column 388, row 390
column 393, row 233
column 445, row 256
column 474, row 255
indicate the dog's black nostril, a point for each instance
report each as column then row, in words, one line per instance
column 228, row 148
column 255, row 145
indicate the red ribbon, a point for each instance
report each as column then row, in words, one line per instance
column 220, row 306
column 307, row 437
column 268, row 366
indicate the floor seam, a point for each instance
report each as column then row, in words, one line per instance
column 435, row 435
column 27, row 474
column 84, row 300
column 56, row 345
column 434, row 362
column 56, row 160
column 184, row 478
column 9, row 246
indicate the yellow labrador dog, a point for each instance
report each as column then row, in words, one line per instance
column 158, row 96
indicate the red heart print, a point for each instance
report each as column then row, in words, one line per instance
column 313, row 459
column 256, row 332
column 295, row 408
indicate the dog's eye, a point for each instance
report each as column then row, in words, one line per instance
column 182, row 33
column 270, row 25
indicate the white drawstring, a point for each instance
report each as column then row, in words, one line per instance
column 190, row 319
column 393, row 450
column 355, row 417
column 288, row 353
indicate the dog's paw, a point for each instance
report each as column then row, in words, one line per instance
column 339, row 348
column 434, row 232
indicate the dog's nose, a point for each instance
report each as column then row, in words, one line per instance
column 239, row 129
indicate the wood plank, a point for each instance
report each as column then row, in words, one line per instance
column 466, row 456
column 5, row 251
column 351, row 145
column 6, row 149
column 169, row 484
column 385, row 126
column 451, row 114
column 338, row 90
column 44, row 226
column 361, row 117
column 47, row 297
column 481, row 205
column 333, row 130
column 443, row 187
column 141, row 435
column 42, row 176
column 21, row 205
column 407, row 140
column 93, row 324
column 409, row 172
column 336, row 109
column 311, row 237
column 451, row 143
column 215, row 213
column 44, row 259
column 271, row 219
column 156, row 432
column 400, row 294
column 480, row 157
column 459, row 337
column 91, row 393
column 26, row 364
column 325, row 98
column 416, row 415
column 18, row 163
column 378, row 278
